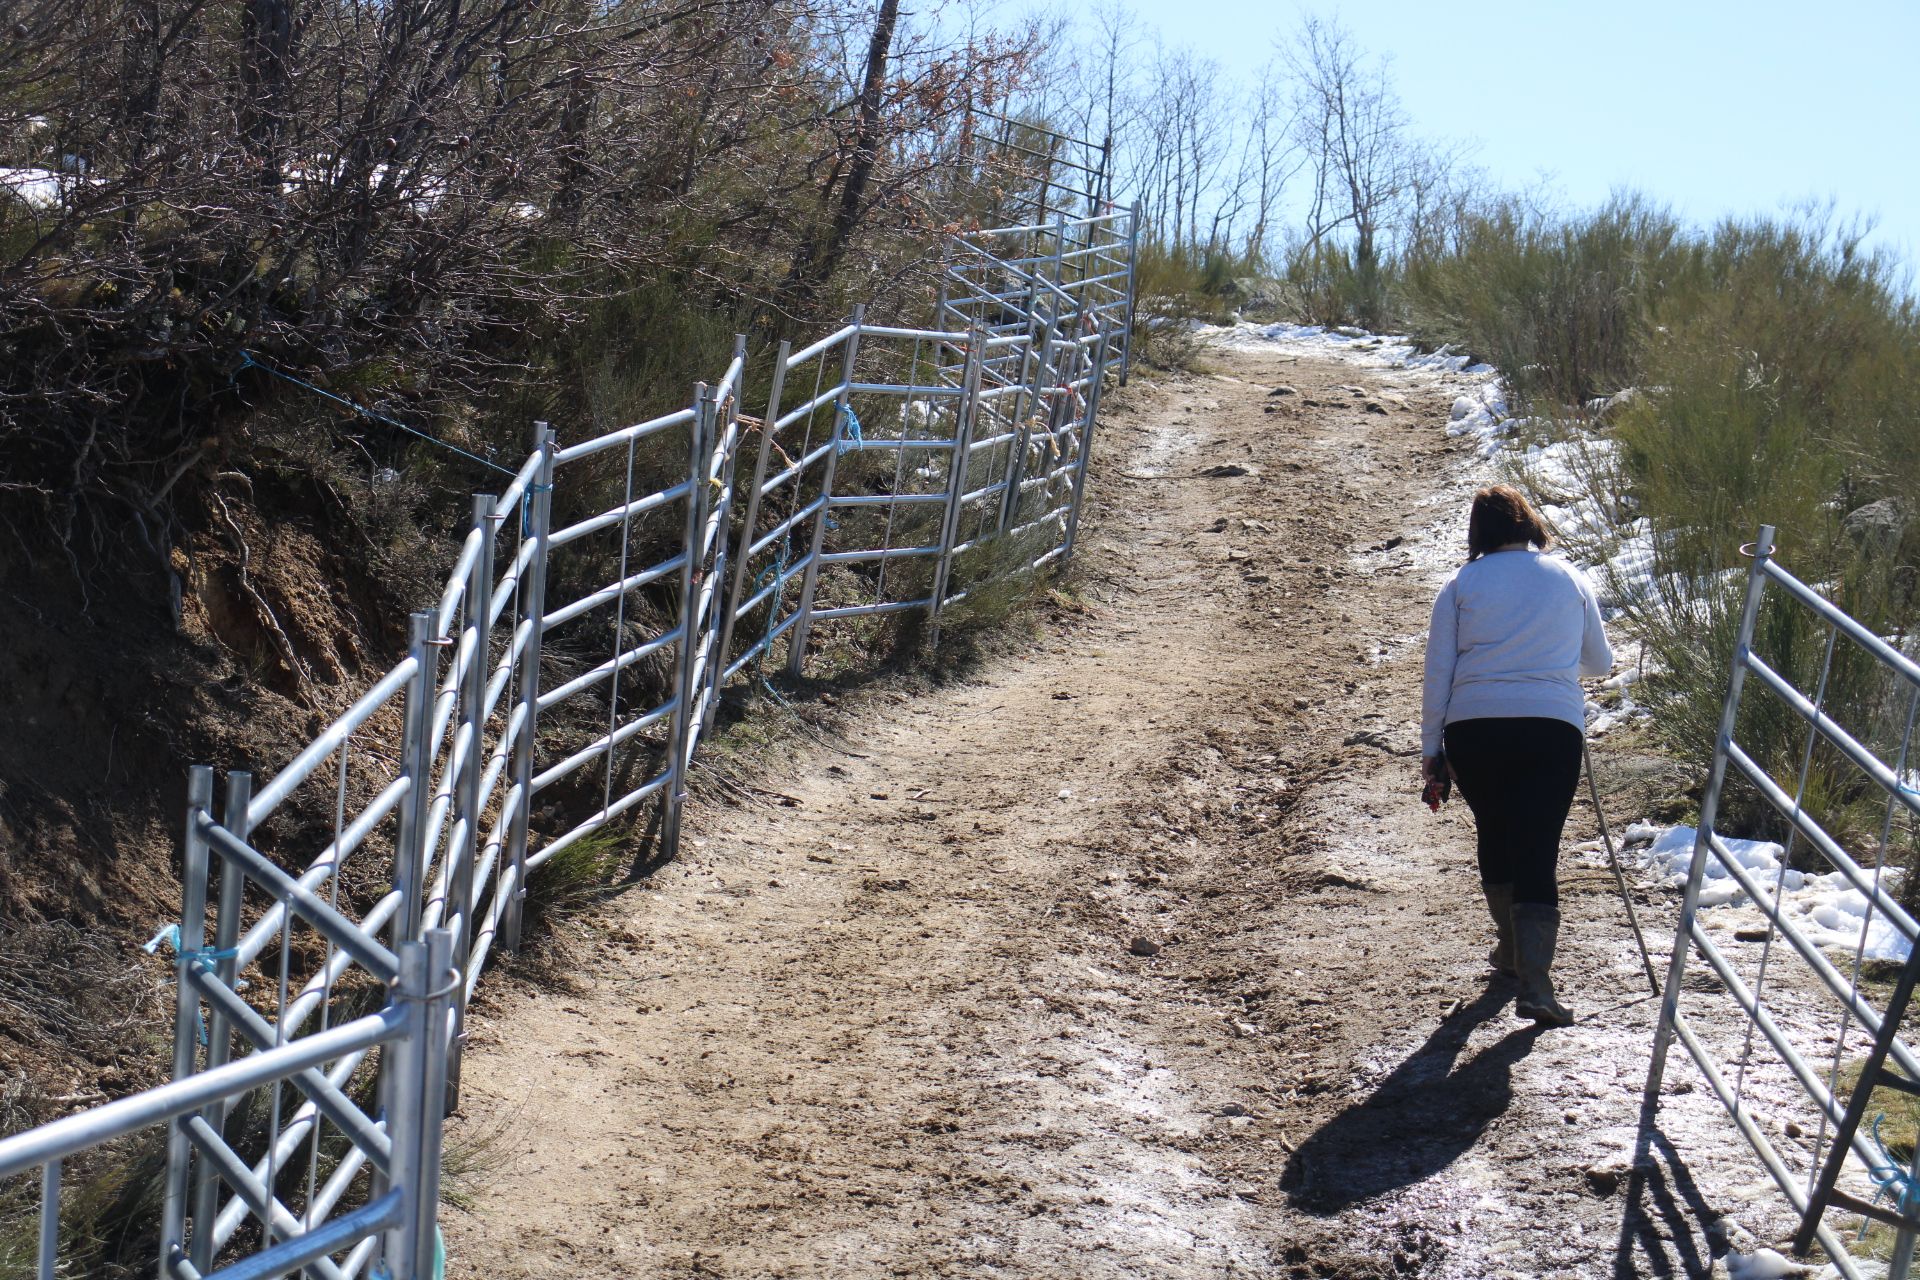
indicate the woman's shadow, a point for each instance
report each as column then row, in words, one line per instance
column 1417, row 1122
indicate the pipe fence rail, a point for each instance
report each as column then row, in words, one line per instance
column 1788, row 1071
column 597, row 609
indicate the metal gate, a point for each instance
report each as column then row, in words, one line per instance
column 1876, row 751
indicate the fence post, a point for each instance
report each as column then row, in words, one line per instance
column 1097, row 375
column 1709, row 812
column 539, row 520
column 680, row 724
column 226, row 932
column 724, row 445
column 416, row 763
column 467, row 799
column 1133, row 263
column 767, row 429
column 403, row 1070
column 797, row 639
column 186, row 1010
column 963, row 418
column 437, row 1000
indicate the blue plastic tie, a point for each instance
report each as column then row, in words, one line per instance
column 853, row 432
column 1891, row 1177
column 526, row 507
column 169, row 937
column 249, row 361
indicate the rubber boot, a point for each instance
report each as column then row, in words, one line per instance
column 1500, row 906
column 1536, row 927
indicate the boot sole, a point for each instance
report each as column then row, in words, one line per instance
column 1544, row 1016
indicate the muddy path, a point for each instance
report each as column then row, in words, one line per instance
column 1134, row 955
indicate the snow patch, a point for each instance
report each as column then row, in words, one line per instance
column 1826, row 909
column 35, row 188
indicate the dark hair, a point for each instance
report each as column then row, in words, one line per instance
column 1502, row 515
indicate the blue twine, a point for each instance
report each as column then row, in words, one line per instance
column 857, row 439
column 248, row 361
column 526, row 507
column 1891, row 1177
column 169, row 937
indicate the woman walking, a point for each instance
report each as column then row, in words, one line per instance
column 1503, row 715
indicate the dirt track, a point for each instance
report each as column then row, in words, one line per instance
column 898, row 1026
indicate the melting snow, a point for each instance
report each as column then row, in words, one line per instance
column 1827, row 909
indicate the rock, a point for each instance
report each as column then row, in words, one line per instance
column 1752, row 933
column 1233, row 1109
column 1227, row 470
column 1374, row 406
column 1607, row 408
column 1604, row 1176
column 1879, row 526
column 1283, row 391
column 1144, row 947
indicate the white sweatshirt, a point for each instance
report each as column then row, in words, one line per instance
column 1512, row 634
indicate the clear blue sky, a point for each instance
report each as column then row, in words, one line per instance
column 1710, row 106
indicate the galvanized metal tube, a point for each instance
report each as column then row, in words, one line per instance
column 679, row 725
column 625, row 511
column 297, row 1131
column 215, row 1151
column 614, row 810
column 285, row 1258
column 436, row 1000
column 1087, row 424
column 1830, row 729
column 1762, row 1147
column 797, row 640
column 226, row 927
column 534, row 610
column 560, row 693
column 825, row 344
column 364, row 949
column 639, row 431
column 69, row 1135
column 956, row 479
column 404, row 1067
column 186, row 1011
column 508, row 502
column 1902, row 665
column 749, row 545
column 1817, row 836
column 1822, row 967
column 48, row 1264
column 794, row 471
column 269, row 797
column 470, row 800
column 267, row 928
column 869, row 610
column 326, row 1097
column 416, row 763
column 460, row 581
column 614, row 590
column 1709, row 813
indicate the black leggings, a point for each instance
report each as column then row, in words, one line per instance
column 1517, row 774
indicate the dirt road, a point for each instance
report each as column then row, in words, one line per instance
column 1133, row 956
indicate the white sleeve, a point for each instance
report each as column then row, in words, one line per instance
column 1443, row 651
column 1596, row 655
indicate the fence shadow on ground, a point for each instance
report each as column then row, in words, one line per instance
column 1419, row 1120
column 1663, row 1212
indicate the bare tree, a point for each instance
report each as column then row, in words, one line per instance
column 1355, row 134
